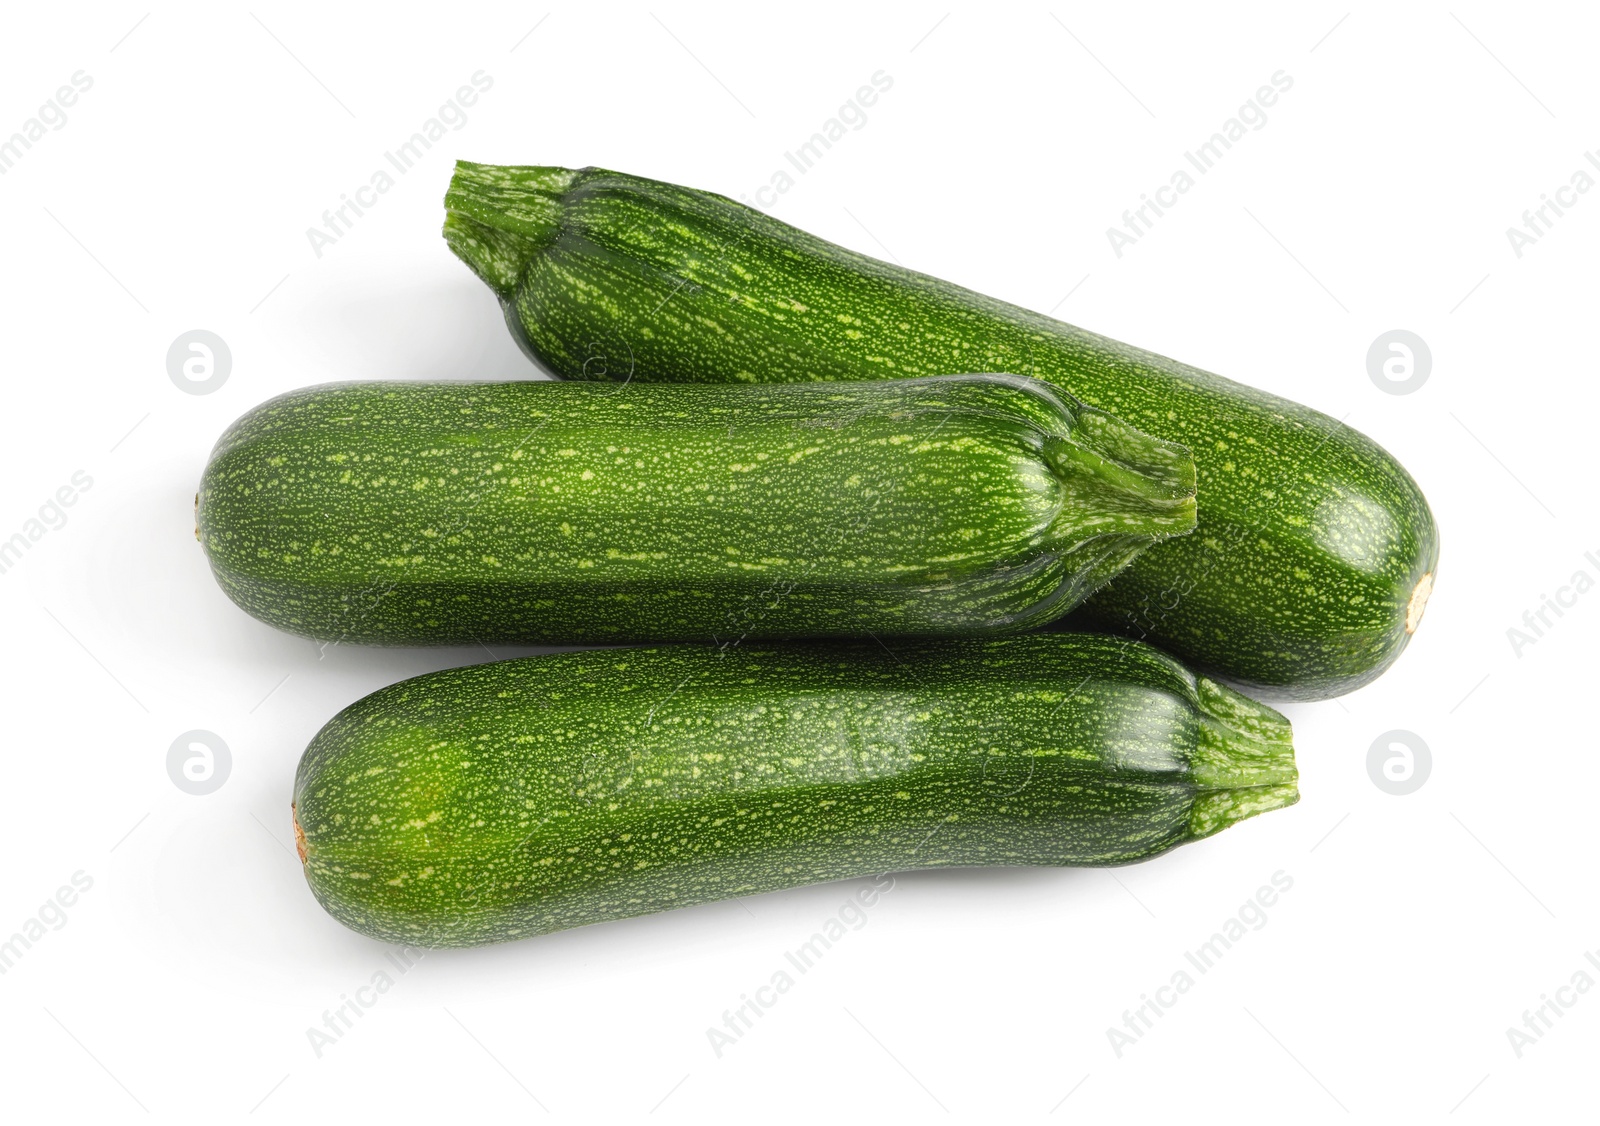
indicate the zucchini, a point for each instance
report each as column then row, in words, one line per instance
column 1315, row 550
column 507, row 799
column 584, row 513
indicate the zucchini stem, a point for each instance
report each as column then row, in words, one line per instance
column 497, row 217
column 1120, row 481
column 1244, row 760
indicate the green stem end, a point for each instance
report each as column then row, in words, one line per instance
column 497, row 217
column 1132, row 482
column 1244, row 759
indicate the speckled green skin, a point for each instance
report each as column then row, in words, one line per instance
column 574, row 513
column 508, row 799
column 1311, row 538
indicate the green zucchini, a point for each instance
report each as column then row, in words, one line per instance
column 583, row 513
column 1315, row 550
column 507, row 799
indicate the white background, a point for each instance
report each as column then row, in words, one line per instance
column 1377, row 196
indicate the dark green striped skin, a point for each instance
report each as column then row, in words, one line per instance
column 1314, row 551
column 583, row 513
column 507, row 799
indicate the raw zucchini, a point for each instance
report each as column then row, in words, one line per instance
column 507, row 799
column 573, row 513
column 1315, row 550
